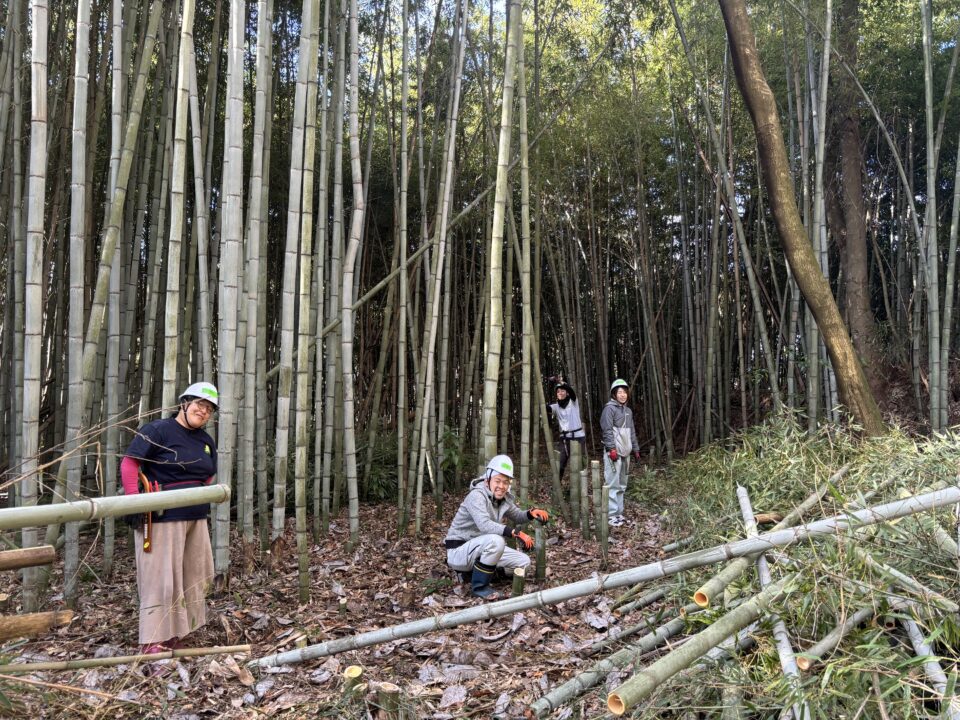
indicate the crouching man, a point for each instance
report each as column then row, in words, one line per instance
column 476, row 540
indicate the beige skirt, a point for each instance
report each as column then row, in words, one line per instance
column 173, row 579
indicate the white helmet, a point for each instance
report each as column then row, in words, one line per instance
column 501, row 464
column 203, row 391
column 619, row 383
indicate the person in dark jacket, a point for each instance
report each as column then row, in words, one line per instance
column 619, row 441
column 476, row 541
column 175, row 563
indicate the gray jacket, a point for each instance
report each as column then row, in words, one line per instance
column 481, row 514
column 616, row 422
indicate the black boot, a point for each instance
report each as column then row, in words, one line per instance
column 480, row 581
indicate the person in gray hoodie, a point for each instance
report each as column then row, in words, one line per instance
column 619, row 441
column 476, row 541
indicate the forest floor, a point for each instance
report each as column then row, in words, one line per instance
column 489, row 669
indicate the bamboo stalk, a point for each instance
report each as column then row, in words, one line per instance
column 634, row 690
column 16, row 626
column 906, row 582
column 788, row 662
column 648, row 599
column 604, row 524
column 576, row 686
column 27, row 557
column 677, row 544
column 949, row 706
column 351, row 678
column 643, row 573
column 599, row 510
column 114, row 506
column 713, row 587
column 648, row 623
column 828, row 642
column 16, row 669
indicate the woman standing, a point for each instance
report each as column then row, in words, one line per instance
column 567, row 412
column 619, row 441
column 175, row 563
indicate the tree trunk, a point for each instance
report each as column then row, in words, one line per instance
column 854, row 389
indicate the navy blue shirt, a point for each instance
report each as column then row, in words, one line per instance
column 175, row 457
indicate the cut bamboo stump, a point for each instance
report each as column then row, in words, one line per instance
column 576, row 504
column 604, row 524
column 17, row 626
column 27, row 557
column 22, row 668
column 351, row 679
column 388, row 699
column 540, row 543
column 519, row 577
column 596, row 482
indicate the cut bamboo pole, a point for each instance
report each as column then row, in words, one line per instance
column 905, row 582
column 811, row 656
column 114, row 506
column 584, row 502
column 713, row 587
column 941, row 537
column 648, row 624
column 651, row 571
column 788, row 662
column 519, row 576
column 17, row 626
column 634, row 690
column 22, row 668
column 949, row 706
column 676, row 545
column 576, row 686
column 27, row 557
column 625, row 604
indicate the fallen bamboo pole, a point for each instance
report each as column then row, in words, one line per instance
column 16, row 669
column 27, row 557
column 716, row 585
column 652, row 571
column 637, row 688
column 811, row 656
column 949, row 703
column 17, row 626
column 114, row 506
column 630, row 605
column 647, row 624
column 579, row 684
column 788, row 661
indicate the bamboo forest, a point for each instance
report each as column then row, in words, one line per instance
column 395, row 359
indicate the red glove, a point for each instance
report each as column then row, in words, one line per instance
column 636, row 455
column 537, row 514
column 613, row 454
column 524, row 538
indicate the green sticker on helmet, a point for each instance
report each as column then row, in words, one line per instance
column 210, row 392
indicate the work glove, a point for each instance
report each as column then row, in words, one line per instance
column 636, row 455
column 538, row 514
column 613, row 454
column 524, row 538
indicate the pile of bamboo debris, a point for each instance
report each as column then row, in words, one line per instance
column 861, row 622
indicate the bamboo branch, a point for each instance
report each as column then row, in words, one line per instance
column 651, row 571
column 16, row 669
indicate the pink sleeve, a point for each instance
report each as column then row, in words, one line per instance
column 129, row 468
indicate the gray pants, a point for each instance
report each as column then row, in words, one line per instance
column 491, row 550
column 615, row 475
